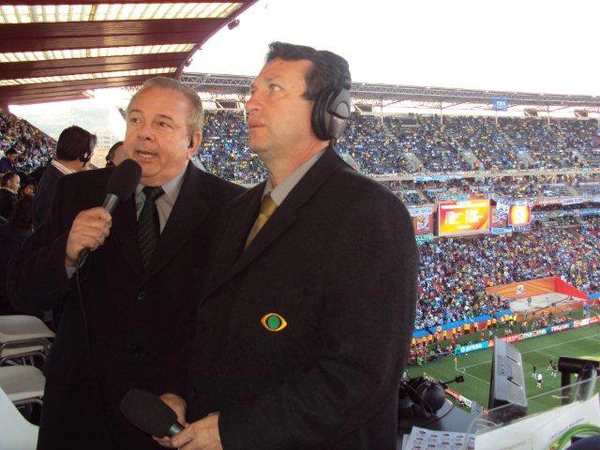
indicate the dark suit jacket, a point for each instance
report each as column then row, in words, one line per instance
column 11, row 240
column 138, row 320
column 44, row 194
column 8, row 201
column 337, row 262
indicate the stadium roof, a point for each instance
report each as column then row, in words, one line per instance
column 51, row 51
column 411, row 96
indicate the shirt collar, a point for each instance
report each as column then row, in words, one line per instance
column 279, row 193
column 61, row 167
column 171, row 188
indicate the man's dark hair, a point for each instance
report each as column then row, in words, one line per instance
column 11, row 151
column 22, row 216
column 74, row 142
column 111, row 152
column 7, row 177
column 328, row 71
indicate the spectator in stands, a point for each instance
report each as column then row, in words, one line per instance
column 139, row 303
column 35, row 148
column 115, row 155
column 9, row 162
column 12, row 236
column 73, row 151
column 27, row 187
column 336, row 260
column 9, row 194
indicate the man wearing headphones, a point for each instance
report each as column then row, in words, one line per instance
column 305, row 329
column 74, row 150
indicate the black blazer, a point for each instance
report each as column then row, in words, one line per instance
column 44, row 194
column 8, row 201
column 138, row 321
column 337, row 262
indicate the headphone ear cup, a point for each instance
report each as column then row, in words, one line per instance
column 331, row 113
column 319, row 111
column 432, row 397
column 427, row 397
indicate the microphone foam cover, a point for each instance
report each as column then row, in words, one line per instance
column 124, row 179
column 147, row 412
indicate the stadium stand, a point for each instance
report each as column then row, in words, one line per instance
column 35, row 148
column 454, row 271
column 393, row 145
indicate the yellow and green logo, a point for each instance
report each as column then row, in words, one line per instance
column 273, row 322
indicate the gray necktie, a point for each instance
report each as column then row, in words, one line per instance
column 148, row 231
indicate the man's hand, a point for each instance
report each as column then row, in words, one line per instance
column 200, row 435
column 89, row 230
column 177, row 404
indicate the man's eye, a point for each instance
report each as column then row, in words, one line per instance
column 274, row 87
column 165, row 125
column 134, row 120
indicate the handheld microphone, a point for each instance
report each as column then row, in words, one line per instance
column 121, row 185
column 149, row 413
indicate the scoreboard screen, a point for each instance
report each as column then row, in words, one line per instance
column 519, row 215
column 467, row 217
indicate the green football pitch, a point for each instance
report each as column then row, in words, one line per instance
column 476, row 367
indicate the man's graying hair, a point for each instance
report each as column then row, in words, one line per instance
column 196, row 117
column 328, row 71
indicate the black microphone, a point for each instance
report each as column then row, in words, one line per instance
column 458, row 379
column 121, row 185
column 149, row 413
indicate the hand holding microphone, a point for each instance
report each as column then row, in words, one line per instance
column 154, row 416
column 88, row 232
column 92, row 226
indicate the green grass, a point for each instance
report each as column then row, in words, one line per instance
column 476, row 367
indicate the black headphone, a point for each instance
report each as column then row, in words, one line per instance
column 87, row 155
column 426, row 397
column 331, row 111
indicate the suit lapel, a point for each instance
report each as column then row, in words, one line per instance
column 189, row 211
column 123, row 231
column 239, row 219
column 284, row 216
column 124, row 235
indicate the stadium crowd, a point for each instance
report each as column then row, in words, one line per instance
column 34, row 148
column 454, row 272
column 385, row 145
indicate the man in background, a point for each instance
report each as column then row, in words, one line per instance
column 74, row 150
column 12, row 236
column 9, row 194
column 9, row 162
column 115, row 155
column 139, row 283
column 305, row 329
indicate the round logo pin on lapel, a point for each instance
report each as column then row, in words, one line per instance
column 273, row 322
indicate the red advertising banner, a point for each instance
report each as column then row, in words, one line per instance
column 467, row 217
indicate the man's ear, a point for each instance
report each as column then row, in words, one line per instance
column 195, row 141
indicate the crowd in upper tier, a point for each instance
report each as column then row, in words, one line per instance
column 454, row 272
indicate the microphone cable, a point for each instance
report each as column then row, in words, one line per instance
column 88, row 340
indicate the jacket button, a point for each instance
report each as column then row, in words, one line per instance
column 135, row 350
column 141, row 295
